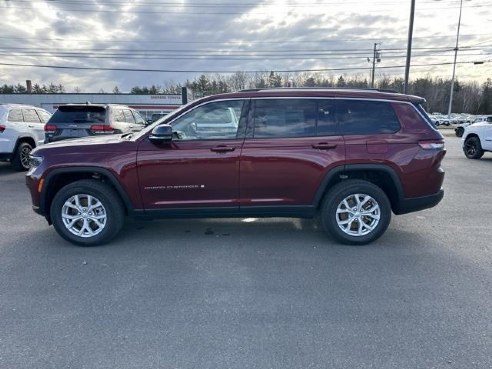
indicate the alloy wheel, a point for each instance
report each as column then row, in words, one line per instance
column 84, row 215
column 358, row 215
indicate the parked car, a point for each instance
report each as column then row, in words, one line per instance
column 477, row 138
column 460, row 128
column 350, row 157
column 21, row 130
column 440, row 119
column 81, row 120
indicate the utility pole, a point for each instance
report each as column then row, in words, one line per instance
column 454, row 64
column 376, row 57
column 409, row 46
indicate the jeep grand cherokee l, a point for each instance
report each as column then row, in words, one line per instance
column 351, row 157
column 21, row 130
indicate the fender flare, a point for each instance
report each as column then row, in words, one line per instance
column 345, row 170
column 83, row 169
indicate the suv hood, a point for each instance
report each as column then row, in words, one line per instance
column 479, row 124
column 103, row 143
column 87, row 141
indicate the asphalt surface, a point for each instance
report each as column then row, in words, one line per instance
column 272, row 293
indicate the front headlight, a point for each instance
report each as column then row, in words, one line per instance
column 35, row 161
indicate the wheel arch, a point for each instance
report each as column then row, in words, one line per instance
column 28, row 139
column 61, row 177
column 470, row 135
column 381, row 175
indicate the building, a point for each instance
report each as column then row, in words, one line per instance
column 147, row 105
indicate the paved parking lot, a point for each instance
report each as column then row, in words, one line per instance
column 273, row 293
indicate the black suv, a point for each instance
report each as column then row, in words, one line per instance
column 80, row 120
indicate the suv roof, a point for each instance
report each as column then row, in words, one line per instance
column 11, row 105
column 99, row 105
column 321, row 92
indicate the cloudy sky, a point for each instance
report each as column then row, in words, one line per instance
column 99, row 44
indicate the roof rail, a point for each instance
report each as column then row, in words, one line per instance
column 318, row 88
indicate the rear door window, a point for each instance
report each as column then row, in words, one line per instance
column 276, row 118
column 30, row 116
column 128, row 116
column 327, row 124
column 118, row 115
column 360, row 117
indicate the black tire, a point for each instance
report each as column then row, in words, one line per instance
column 347, row 190
column 459, row 131
column 472, row 148
column 99, row 223
column 20, row 160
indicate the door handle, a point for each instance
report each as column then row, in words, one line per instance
column 222, row 148
column 324, row 146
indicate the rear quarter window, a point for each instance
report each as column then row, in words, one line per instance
column 44, row 116
column 410, row 117
column 361, row 117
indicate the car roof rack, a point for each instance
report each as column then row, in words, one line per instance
column 318, row 88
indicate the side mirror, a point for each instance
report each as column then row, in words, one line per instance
column 162, row 133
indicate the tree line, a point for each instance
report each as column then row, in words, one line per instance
column 468, row 97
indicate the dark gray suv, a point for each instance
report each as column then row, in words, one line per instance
column 81, row 120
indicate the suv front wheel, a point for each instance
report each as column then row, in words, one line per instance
column 87, row 213
column 355, row 212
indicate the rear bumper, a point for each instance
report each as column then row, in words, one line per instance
column 409, row 205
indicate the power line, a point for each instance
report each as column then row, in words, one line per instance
column 240, row 42
column 201, row 13
column 217, row 4
column 220, row 71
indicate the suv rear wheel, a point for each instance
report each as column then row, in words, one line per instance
column 20, row 161
column 87, row 213
column 355, row 212
column 473, row 148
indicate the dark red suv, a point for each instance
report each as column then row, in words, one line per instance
column 350, row 157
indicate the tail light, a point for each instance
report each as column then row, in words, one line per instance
column 101, row 128
column 432, row 145
column 2, row 128
column 50, row 128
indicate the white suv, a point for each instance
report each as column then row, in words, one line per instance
column 477, row 138
column 21, row 130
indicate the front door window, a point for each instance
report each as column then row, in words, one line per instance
column 214, row 121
